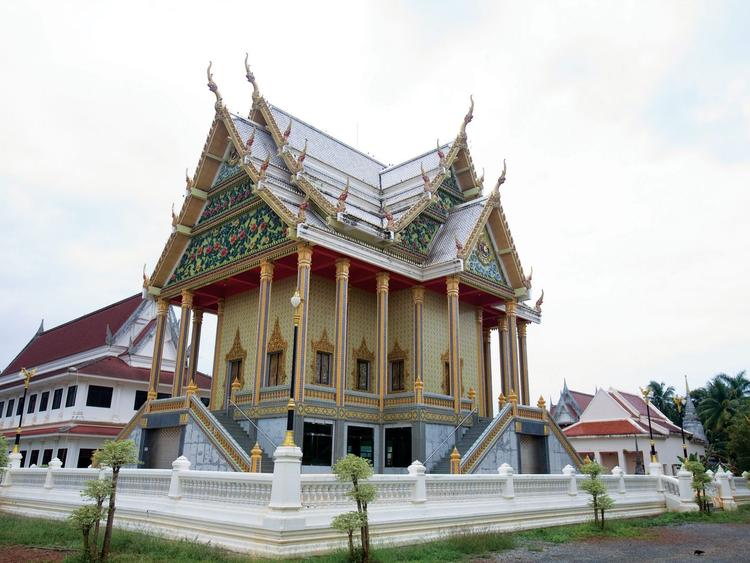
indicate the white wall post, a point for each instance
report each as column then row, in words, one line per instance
column 620, row 474
column 103, row 471
column 15, row 460
column 286, row 489
column 506, row 471
column 52, row 466
column 175, row 486
column 732, row 486
column 654, row 468
column 685, row 484
column 570, row 472
column 416, row 469
column 727, row 499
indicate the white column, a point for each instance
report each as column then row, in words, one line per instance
column 178, row 466
column 506, row 471
column 570, row 472
column 416, row 469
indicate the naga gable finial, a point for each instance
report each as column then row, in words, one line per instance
column 301, row 157
column 174, row 216
column 213, row 87
column 501, row 179
column 264, row 166
column 467, row 118
column 146, row 279
column 341, row 205
column 188, row 181
column 538, row 306
column 390, row 222
column 527, row 280
column 251, row 79
column 440, row 153
column 249, row 142
column 425, row 178
column 459, row 246
column 303, row 209
column 480, row 181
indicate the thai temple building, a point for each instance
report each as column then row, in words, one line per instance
column 358, row 296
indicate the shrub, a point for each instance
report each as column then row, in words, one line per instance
column 356, row 469
column 600, row 500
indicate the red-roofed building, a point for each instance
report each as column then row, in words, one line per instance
column 92, row 375
column 570, row 406
column 613, row 429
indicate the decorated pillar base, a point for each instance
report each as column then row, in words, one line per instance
column 286, row 490
column 654, row 468
column 15, row 460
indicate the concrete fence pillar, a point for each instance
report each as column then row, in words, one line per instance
column 732, row 486
column 570, row 472
column 727, row 499
column 15, row 460
column 52, row 466
column 685, row 484
column 416, row 469
column 175, row 485
column 286, row 488
column 103, row 472
column 506, row 471
column 620, row 474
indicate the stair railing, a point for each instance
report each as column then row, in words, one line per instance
column 452, row 434
column 258, row 428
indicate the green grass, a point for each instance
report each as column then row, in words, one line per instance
column 129, row 546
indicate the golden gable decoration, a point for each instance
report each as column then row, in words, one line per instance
column 277, row 344
column 322, row 345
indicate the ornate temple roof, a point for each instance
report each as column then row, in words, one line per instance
column 424, row 218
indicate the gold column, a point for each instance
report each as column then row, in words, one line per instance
column 264, row 304
column 454, row 348
column 481, row 372
column 195, row 344
column 182, row 342
column 215, row 398
column 524, row 366
column 502, row 332
column 510, row 312
column 162, row 306
column 487, row 355
column 417, row 294
column 381, row 353
column 304, row 263
column 342, row 328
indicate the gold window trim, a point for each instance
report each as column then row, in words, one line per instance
column 237, row 352
column 322, row 345
column 277, row 344
column 398, row 353
column 361, row 353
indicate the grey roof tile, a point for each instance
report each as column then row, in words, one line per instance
column 461, row 221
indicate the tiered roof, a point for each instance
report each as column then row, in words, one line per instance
column 426, row 214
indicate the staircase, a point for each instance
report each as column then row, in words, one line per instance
column 235, row 430
column 463, row 444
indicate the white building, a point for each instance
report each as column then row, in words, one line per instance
column 613, row 429
column 91, row 377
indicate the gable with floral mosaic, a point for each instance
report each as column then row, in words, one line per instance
column 227, row 200
column 247, row 234
column 418, row 235
column 484, row 262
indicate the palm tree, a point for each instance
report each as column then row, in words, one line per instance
column 717, row 409
column 663, row 399
column 739, row 385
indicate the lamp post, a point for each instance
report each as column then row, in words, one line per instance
column 27, row 375
column 679, row 403
column 296, row 302
column 646, row 397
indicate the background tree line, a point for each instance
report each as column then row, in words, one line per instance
column 723, row 406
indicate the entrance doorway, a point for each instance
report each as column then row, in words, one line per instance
column 360, row 441
column 533, row 453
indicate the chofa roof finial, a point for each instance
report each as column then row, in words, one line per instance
column 527, row 280
column 213, row 87
column 538, row 306
column 501, row 179
column 425, row 179
column 467, row 119
column 341, row 205
column 251, row 79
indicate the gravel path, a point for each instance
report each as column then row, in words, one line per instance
column 717, row 542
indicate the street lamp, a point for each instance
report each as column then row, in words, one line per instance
column 647, row 393
column 27, row 375
column 296, row 302
column 679, row 403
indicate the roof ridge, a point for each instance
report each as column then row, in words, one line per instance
column 424, row 154
column 305, row 123
column 66, row 323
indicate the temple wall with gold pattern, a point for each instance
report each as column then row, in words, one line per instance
column 469, row 348
column 321, row 317
column 362, row 325
column 400, row 331
column 240, row 313
column 435, row 340
column 281, row 310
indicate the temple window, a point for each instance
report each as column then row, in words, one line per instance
column 9, row 412
column 323, row 368
column 317, row 448
column 33, row 457
column 47, row 456
column 57, row 399
column 99, row 396
column 62, row 455
column 446, row 378
column 234, row 370
column 43, row 402
column 273, row 369
column 398, row 446
column 363, row 375
column 397, row 375
column 19, row 410
column 70, row 398
column 32, row 404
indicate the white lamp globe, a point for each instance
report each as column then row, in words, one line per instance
column 296, row 299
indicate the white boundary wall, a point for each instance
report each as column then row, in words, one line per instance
column 289, row 513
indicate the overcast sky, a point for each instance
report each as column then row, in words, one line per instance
column 626, row 126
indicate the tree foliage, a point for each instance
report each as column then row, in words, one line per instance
column 3, row 451
column 84, row 518
column 662, row 397
column 600, row 500
column 355, row 469
column 700, row 480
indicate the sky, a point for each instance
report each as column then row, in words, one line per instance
column 625, row 125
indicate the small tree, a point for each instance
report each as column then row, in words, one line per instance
column 114, row 455
column 99, row 491
column 356, row 469
column 3, row 457
column 84, row 518
column 700, row 480
column 348, row 522
column 600, row 500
